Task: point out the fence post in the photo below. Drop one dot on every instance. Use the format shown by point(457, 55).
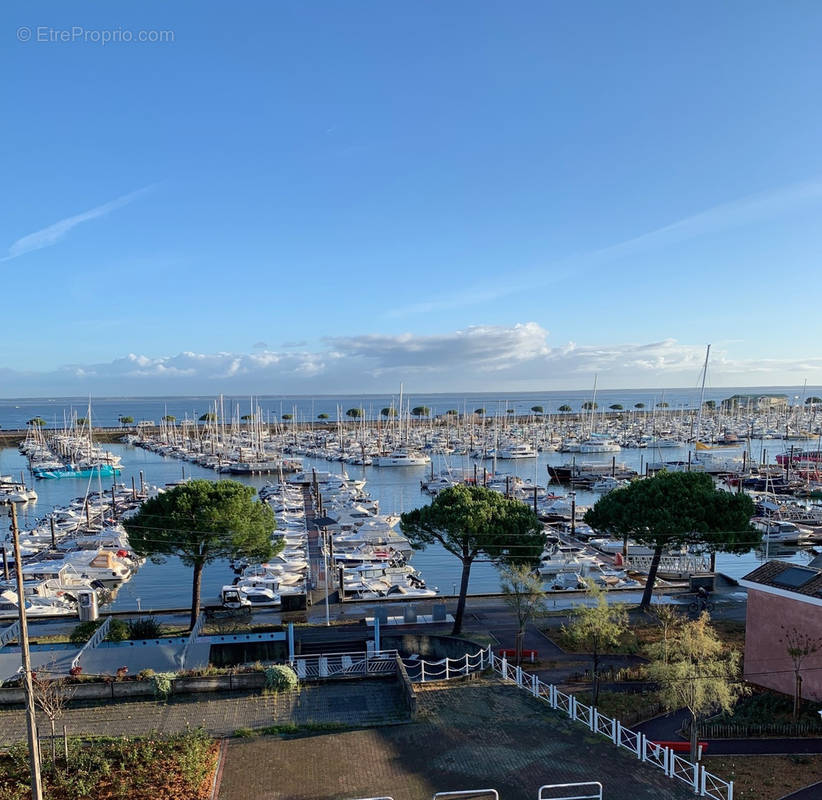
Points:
point(702, 780)
point(422, 670)
point(617, 732)
point(519, 676)
point(594, 719)
point(666, 759)
point(552, 693)
point(641, 749)
point(535, 685)
point(696, 779)
point(447, 673)
point(466, 664)
point(490, 656)
point(504, 667)
point(572, 707)
point(730, 790)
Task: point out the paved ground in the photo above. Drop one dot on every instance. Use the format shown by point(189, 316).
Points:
point(351, 703)
point(808, 793)
point(475, 734)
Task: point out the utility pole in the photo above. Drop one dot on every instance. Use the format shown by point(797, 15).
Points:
point(31, 719)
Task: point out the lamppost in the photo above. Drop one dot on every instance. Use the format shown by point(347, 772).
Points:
point(573, 513)
point(31, 719)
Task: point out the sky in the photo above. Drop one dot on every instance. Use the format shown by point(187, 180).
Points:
point(339, 196)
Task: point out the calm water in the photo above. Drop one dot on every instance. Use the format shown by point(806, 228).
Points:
point(168, 584)
point(106, 410)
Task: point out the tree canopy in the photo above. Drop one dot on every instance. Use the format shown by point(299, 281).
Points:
point(201, 521)
point(354, 413)
point(36, 421)
point(469, 521)
point(524, 593)
point(596, 628)
point(288, 417)
point(322, 416)
point(813, 401)
point(588, 405)
point(209, 416)
point(388, 412)
point(676, 508)
point(694, 671)
point(452, 412)
point(420, 411)
point(662, 404)
point(639, 405)
point(126, 420)
point(169, 418)
point(616, 407)
point(537, 409)
point(479, 411)
point(565, 408)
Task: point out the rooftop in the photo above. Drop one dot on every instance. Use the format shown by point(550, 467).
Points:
point(797, 579)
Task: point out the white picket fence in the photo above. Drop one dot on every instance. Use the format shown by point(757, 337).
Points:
point(695, 776)
point(420, 671)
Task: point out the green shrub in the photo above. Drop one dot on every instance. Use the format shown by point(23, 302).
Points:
point(162, 684)
point(84, 631)
point(117, 631)
point(244, 733)
point(280, 678)
point(145, 628)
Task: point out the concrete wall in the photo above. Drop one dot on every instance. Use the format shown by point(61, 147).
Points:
point(766, 660)
point(427, 646)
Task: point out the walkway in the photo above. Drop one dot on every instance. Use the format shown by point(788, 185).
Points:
point(666, 729)
point(469, 735)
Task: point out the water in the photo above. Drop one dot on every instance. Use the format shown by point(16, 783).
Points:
point(397, 489)
point(14, 413)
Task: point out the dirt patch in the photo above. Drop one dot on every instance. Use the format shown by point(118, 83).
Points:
point(766, 777)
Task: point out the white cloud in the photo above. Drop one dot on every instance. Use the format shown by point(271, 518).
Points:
point(52, 234)
point(480, 358)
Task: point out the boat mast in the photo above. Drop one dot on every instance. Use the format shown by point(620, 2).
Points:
point(702, 395)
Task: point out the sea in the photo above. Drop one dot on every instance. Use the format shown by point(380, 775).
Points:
point(106, 411)
point(167, 584)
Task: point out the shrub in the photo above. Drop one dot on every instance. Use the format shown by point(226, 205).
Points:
point(162, 684)
point(117, 631)
point(145, 628)
point(84, 631)
point(280, 678)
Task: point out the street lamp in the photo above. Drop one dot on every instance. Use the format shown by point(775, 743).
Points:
point(573, 513)
point(31, 719)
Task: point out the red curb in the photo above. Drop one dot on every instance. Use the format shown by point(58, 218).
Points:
point(218, 773)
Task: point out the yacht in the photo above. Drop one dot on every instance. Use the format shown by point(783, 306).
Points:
point(402, 458)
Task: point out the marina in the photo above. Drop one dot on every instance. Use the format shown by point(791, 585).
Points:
point(535, 457)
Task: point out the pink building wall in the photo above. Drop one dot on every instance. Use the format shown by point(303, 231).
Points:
point(766, 660)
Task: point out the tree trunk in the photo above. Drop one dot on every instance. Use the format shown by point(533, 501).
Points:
point(797, 693)
point(53, 747)
point(520, 635)
point(466, 573)
point(649, 586)
point(694, 738)
point(195, 593)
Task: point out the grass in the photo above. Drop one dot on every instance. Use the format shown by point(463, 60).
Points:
point(178, 767)
point(292, 729)
point(766, 777)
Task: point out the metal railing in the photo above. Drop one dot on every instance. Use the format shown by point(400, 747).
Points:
point(95, 640)
point(340, 665)
point(576, 787)
point(10, 633)
point(468, 794)
point(192, 638)
point(701, 782)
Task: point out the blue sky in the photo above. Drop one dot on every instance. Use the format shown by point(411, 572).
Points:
point(335, 196)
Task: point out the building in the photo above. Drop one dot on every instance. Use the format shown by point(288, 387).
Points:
point(783, 596)
point(755, 402)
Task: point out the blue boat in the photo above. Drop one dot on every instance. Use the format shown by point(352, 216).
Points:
point(103, 470)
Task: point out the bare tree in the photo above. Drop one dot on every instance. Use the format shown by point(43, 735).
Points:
point(669, 620)
point(799, 645)
point(51, 696)
point(523, 593)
